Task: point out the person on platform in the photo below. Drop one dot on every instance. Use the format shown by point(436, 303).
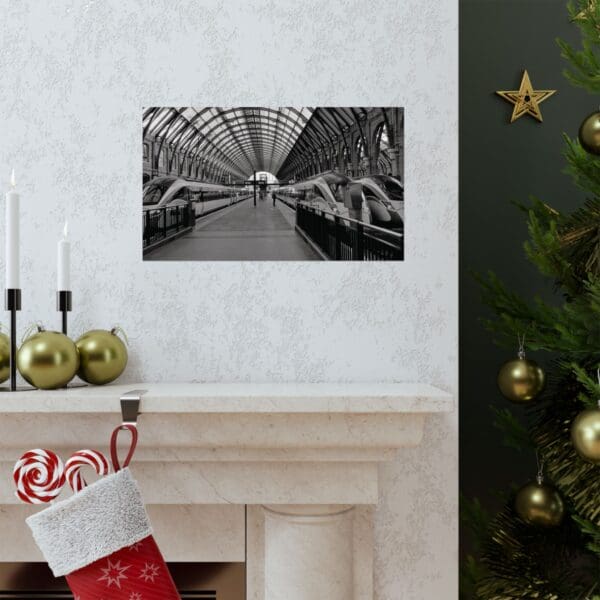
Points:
point(274, 198)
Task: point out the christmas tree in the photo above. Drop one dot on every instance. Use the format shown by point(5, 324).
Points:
point(545, 543)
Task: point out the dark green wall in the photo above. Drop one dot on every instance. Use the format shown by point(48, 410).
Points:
point(500, 162)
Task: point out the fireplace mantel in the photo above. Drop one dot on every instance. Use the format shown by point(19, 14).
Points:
point(237, 398)
point(296, 454)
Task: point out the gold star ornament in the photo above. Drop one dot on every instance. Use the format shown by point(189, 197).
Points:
point(526, 100)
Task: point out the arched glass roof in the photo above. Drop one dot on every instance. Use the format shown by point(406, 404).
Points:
point(244, 139)
point(326, 127)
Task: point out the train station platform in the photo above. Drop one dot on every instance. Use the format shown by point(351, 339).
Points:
point(240, 232)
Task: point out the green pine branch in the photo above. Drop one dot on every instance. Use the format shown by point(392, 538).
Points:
point(530, 563)
point(565, 328)
point(592, 531)
point(514, 433)
point(585, 173)
point(584, 63)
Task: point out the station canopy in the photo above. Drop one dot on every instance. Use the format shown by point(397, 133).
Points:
point(244, 140)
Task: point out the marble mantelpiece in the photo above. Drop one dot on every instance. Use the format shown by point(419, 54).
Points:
point(237, 397)
point(303, 457)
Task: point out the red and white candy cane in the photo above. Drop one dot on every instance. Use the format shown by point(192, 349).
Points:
point(39, 476)
point(84, 458)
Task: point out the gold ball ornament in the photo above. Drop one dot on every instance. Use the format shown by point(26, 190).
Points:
point(4, 357)
point(103, 356)
point(589, 133)
point(585, 434)
point(540, 504)
point(48, 360)
point(521, 380)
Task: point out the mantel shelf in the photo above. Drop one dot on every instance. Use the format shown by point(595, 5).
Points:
point(293, 398)
point(209, 443)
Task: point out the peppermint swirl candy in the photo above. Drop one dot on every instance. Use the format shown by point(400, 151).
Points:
point(39, 476)
point(91, 458)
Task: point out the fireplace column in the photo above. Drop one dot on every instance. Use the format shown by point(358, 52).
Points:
point(309, 552)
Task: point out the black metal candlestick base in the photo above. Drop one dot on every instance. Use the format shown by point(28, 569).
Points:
point(12, 300)
point(64, 304)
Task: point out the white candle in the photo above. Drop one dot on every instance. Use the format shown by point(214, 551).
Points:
point(63, 280)
point(12, 236)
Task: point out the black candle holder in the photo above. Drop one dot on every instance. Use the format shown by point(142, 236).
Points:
point(64, 305)
point(12, 300)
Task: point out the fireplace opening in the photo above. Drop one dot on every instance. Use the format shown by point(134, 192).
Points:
point(208, 581)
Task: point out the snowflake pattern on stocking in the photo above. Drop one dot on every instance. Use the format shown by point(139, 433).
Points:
point(149, 572)
point(127, 574)
point(136, 546)
point(113, 573)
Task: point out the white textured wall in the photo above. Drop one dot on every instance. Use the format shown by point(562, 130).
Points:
point(75, 76)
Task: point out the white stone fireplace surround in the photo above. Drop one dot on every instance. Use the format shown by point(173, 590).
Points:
point(303, 458)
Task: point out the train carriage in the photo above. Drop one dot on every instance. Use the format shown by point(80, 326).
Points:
point(382, 197)
point(171, 204)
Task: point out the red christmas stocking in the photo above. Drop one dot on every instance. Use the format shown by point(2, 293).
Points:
point(101, 539)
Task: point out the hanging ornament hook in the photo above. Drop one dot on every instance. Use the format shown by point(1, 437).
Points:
point(521, 342)
point(540, 465)
point(117, 329)
point(36, 327)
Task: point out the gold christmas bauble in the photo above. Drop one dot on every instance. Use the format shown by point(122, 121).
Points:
point(103, 356)
point(589, 133)
point(521, 380)
point(4, 357)
point(585, 434)
point(540, 504)
point(48, 359)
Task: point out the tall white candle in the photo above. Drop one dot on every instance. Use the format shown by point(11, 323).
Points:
point(63, 280)
point(12, 236)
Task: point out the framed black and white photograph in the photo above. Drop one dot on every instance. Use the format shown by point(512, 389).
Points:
point(285, 184)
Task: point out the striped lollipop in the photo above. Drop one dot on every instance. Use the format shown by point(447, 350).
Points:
point(83, 458)
point(39, 476)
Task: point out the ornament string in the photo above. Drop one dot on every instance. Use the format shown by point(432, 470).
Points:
point(521, 342)
point(540, 465)
point(30, 330)
point(117, 329)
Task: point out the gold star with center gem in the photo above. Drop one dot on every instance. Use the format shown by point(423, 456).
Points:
point(526, 100)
